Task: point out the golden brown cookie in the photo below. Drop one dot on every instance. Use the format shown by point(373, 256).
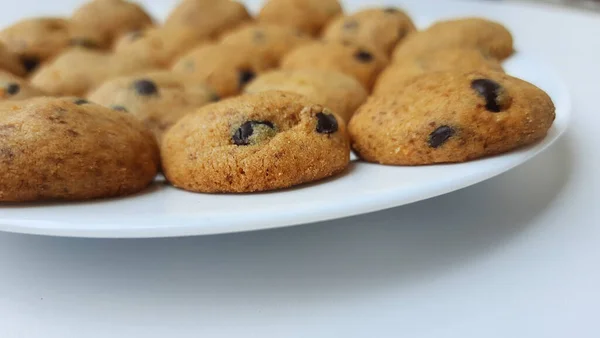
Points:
point(209, 18)
point(158, 99)
point(364, 64)
point(255, 142)
point(111, 18)
point(272, 42)
point(404, 69)
point(309, 16)
point(378, 28)
point(490, 37)
point(15, 88)
point(226, 68)
point(451, 117)
point(157, 47)
point(58, 149)
point(10, 62)
point(337, 91)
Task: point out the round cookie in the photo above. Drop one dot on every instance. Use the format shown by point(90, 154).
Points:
point(403, 70)
point(270, 41)
point(309, 16)
point(209, 18)
point(226, 68)
point(36, 40)
point(10, 62)
point(157, 47)
point(490, 37)
point(363, 64)
point(15, 88)
point(337, 91)
point(445, 117)
point(255, 142)
point(380, 28)
point(60, 149)
point(111, 18)
point(158, 99)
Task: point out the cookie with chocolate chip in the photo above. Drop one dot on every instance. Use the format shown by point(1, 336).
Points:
point(208, 18)
point(309, 16)
point(60, 149)
point(15, 88)
point(363, 64)
point(158, 99)
point(255, 142)
point(272, 42)
point(404, 69)
point(491, 38)
point(226, 68)
point(379, 28)
point(445, 117)
point(337, 91)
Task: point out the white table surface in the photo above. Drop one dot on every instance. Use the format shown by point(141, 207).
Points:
point(517, 256)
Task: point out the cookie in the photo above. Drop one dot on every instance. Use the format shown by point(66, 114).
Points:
point(158, 99)
point(10, 62)
point(445, 117)
point(15, 88)
point(378, 28)
point(337, 91)
point(157, 47)
point(209, 18)
point(226, 68)
point(363, 64)
point(36, 40)
point(255, 142)
point(111, 18)
point(309, 16)
point(491, 38)
point(272, 42)
point(403, 70)
point(60, 149)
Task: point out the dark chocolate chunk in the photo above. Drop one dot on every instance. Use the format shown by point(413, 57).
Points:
point(326, 124)
point(440, 136)
point(242, 135)
point(145, 87)
point(490, 91)
point(245, 76)
point(13, 89)
point(363, 56)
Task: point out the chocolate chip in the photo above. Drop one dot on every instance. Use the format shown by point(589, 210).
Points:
point(13, 89)
point(84, 42)
point(242, 135)
point(30, 63)
point(120, 108)
point(245, 76)
point(80, 102)
point(490, 91)
point(363, 56)
point(391, 10)
point(326, 124)
point(440, 136)
point(350, 24)
point(145, 87)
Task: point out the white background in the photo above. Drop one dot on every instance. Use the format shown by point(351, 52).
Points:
point(517, 256)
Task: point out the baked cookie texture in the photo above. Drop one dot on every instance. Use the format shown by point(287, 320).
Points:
point(491, 38)
point(363, 64)
point(64, 149)
point(309, 16)
point(13, 87)
point(255, 142)
point(272, 42)
point(225, 68)
point(378, 28)
point(337, 91)
point(404, 69)
point(209, 18)
point(111, 18)
point(453, 116)
point(158, 99)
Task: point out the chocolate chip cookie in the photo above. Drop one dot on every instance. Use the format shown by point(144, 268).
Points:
point(453, 116)
point(60, 149)
point(158, 99)
point(272, 42)
point(13, 87)
point(226, 68)
point(255, 142)
point(490, 37)
point(309, 16)
point(404, 69)
point(337, 91)
point(378, 28)
point(364, 64)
